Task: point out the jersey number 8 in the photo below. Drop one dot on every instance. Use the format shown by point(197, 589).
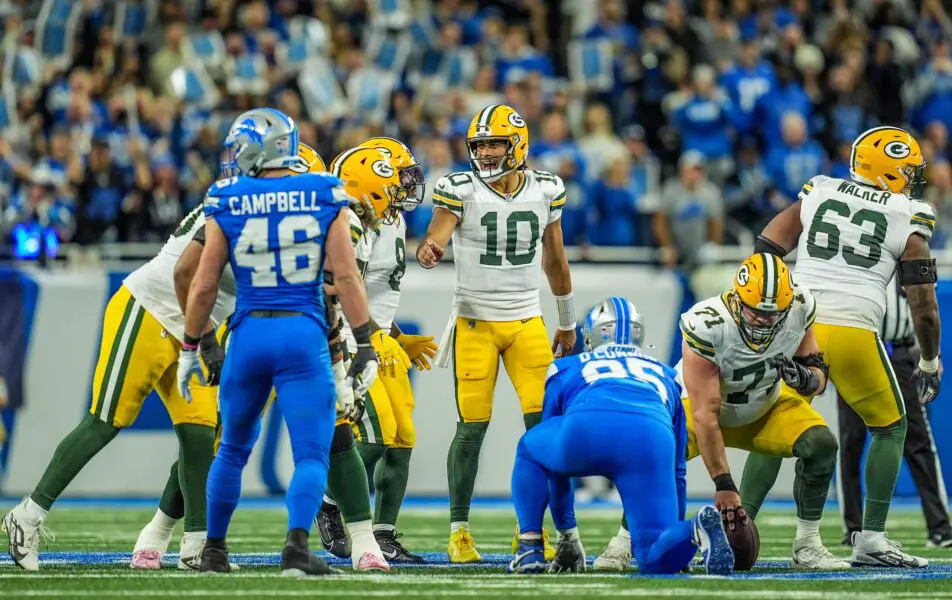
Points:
point(299, 261)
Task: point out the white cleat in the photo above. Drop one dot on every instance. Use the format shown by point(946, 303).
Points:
point(812, 555)
point(371, 562)
point(882, 552)
point(24, 536)
point(150, 548)
point(616, 556)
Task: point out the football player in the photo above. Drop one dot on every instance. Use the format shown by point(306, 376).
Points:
point(750, 364)
point(592, 401)
point(385, 431)
point(505, 223)
point(154, 539)
point(851, 236)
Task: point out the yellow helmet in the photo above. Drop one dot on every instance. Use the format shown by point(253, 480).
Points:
point(761, 299)
point(890, 159)
point(315, 164)
point(498, 122)
point(412, 182)
point(368, 177)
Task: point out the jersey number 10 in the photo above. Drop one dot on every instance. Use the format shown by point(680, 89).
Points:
point(299, 260)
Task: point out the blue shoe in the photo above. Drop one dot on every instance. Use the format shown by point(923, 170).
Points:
point(529, 558)
point(716, 553)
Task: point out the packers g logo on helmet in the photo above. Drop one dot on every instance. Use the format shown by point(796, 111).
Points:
point(368, 178)
point(382, 168)
point(502, 123)
point(313, 163)
point(897, 150)
point(761, 299)
point(890, 159)
point(409, 171)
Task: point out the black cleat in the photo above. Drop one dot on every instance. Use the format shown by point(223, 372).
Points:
point(297, 559)
point(393, 550)
point(331, 528)
point(941, 538)
point(215, 557)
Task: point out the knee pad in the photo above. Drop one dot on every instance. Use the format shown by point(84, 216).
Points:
point(817, 446)
point(343, 439)
point(896, 431)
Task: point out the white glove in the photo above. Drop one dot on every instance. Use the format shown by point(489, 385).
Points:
point(363, 370)
point(346, 406)
point(188, 365)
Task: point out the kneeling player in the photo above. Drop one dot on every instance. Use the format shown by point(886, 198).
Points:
point(613, 392)
point(739, 349)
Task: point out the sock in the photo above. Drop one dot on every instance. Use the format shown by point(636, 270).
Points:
point(172, 502)
point(623, 532)
point(536, 536)
point(384, 527)
point(347, 482)
point(391, 484)
point(193, 539)
point(457, 525)
point(531, 419)
point(807, 529)
point(462, 464)
point(72, 454)
point(163, 523)
point(34, 511)
point(760, 474)
point(370, 454)
point(196, 452)
point(362, 539)
point(224, 488)
point(882, 471)
point(816, 451)
point(305, 492)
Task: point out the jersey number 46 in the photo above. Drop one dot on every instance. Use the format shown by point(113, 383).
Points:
point(297, 262)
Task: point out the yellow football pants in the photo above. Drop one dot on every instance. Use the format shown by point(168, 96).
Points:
point(137, 355)
point(861, 372)
point(773, 434)
point(388, 418)
point(477, 345)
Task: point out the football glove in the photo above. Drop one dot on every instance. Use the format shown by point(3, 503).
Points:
point(347, 406)
point(800, 378)
point(213, 355)
point(363, 370)
point(420, 348)
point(393, 359)
point(927, 384)
point(188, 365)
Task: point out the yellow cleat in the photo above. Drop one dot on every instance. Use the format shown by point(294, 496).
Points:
point(549, 549)
point(462, 548)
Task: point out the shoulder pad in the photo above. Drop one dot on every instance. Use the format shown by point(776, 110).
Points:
point(214, 204)
point(356, 227)
point(806, 304)
point(452, 189)
point(806, 189)
point(222, 187)
point(701, 328)
point(552, 187)
point(922, 218)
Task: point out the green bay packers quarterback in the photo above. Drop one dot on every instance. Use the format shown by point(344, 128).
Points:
point(385, 431)
point(505, 223)
point(750, 362)
point(851, 237)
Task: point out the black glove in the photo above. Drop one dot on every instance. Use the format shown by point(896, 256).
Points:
point(797, 376)
point(927, 384)
point(213, 355)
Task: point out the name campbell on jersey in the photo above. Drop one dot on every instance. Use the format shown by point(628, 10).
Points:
point(853, 236)
point(749, 387)
point(497, 246)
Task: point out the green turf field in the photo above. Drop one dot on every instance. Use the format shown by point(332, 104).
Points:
point(89, 559)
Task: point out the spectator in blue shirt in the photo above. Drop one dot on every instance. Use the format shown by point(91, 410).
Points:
point(614, 214)
point(746, 81)
point(704, 122)
point(558, 154)
point(786, 96)
point(518, 56)
point(793, 162)
point(840, 167)
point(746, 190)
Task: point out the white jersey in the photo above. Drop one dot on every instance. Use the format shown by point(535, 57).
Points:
point(748, 387)
point(853, 236)
point(388, 262)
point(153, 284)
point(363, 240)
point(497, 245)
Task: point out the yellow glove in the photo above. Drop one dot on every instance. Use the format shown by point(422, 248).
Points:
point(418, 348)
point(393, 359)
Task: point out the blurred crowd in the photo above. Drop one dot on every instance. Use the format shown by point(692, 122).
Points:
point(677, 124)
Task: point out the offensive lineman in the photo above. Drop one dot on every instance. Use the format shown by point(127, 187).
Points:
point(505, 222)
point(851, 236)
point(750, 360)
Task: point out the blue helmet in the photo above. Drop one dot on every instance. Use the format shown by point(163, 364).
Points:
point(613, 321)
point(259, 139)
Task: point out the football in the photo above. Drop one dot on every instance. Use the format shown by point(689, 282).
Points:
point(745, 541)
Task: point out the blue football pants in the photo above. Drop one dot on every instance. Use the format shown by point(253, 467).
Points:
point(290, 354)
point(636, 451)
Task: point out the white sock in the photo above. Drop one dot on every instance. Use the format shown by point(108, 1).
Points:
point(457, 525)
point(623, 533)
point(34, 511)
point(329, 500)
point(530, 536)
point(194, 538)
point(569, 534)
point(385, 527)
point(362, 539)
point(163, 523)
point(807, 529)
point(873, 537)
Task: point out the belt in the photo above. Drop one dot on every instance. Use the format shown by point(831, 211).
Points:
point(909, 340)
point(267, 314)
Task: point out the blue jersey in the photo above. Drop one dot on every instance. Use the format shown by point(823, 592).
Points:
point(276, 230)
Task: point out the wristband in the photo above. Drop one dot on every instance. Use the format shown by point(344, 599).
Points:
point(725, 483)
point(566, 304)
point(929, 366)
point(189, 342)
point(362, 334)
